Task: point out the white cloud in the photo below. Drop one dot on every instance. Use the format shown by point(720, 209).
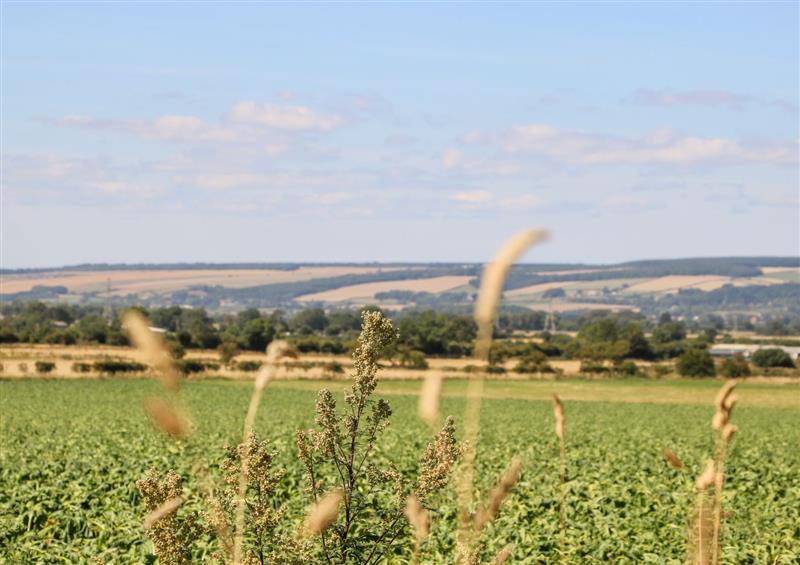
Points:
point(708, 98)
point(660, 146)
point(283, 117)
point(472, 197)
point(451, 158)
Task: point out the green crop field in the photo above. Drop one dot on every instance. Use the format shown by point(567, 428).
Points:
point(71, 452)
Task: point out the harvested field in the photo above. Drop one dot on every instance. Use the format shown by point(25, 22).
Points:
point(534, 289)
point(674, 283)
point(773, 270)
point(155, 281)
point(369, 290)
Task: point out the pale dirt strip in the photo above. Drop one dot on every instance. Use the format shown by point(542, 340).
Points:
point(125, 282)
point(369, 290)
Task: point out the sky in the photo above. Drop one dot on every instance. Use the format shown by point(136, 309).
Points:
point(184, 132)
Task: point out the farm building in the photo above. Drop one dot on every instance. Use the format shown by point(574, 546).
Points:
point(731, 349)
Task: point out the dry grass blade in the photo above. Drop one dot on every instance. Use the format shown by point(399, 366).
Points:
point(168, 507)
point(420, 522)
point(673, 459)
point(494, 275)
point(700, 551)
point(153, 348)
point(485, 309)
point(275, 351)
point(167, 418)
point(324, 513)
point(429, 395)
point(558, 412)
point(706, 479)
point(498, 494)
point(503, 554)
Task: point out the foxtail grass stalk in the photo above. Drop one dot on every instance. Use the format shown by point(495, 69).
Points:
point(275, 351)
point(558, 412)
point(491, 289)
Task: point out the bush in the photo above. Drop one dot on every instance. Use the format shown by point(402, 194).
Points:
point(81, 367)
point(626, 368)
point(23, 367)
point(191, 366)
point(660, 371)
point(45, 366)
point(735, 366)
point(413, 359)
point(495, 370)
point(595, 368)
point(772, 357)
point(534, 362)
point(112, 367)
point(333, 368)
point(696, 363)
point(227, 351)
point(248, 366)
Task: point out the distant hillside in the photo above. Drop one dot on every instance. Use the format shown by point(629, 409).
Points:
point(752, 284)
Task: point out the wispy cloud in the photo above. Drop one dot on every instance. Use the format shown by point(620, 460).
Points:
point(473, 196)
point(708, 98)
point(245, 122)
point(656, 147)
point(283, 117)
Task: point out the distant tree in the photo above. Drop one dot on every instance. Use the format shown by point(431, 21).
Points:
point(257, 334)
point(343, 321)
point(92, 329)
point(735, 366)
point(227, 351)
point(772, 357)
point(696, 362)
point(308, 321)
point(669, 331)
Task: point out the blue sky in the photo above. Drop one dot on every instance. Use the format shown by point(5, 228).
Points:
point(397, 132)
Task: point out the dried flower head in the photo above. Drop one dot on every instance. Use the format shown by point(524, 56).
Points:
point(172, 536)
point(438, 460)
point(166, 508)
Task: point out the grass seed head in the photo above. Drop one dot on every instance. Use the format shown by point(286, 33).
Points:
point(558, 412)
point(673, 459)
point(492, 284)
point(418, 518)
point(428, 407)
point(168, 507)
point(166, 418)
point(498, 494)
point(728, 431)
point(706, 479)
point(153, 348)
point(324, 513)
point(503, 554)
